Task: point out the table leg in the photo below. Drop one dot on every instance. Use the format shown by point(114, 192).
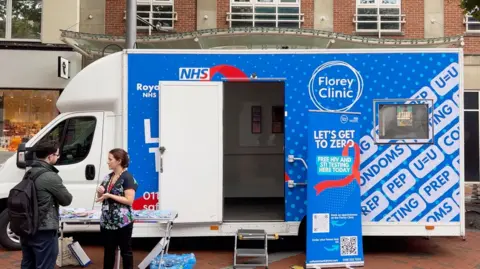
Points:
point(61, 244)
point(153, 254)
point(118, 258)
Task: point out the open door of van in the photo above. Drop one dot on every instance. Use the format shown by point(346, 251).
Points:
point(191, 146)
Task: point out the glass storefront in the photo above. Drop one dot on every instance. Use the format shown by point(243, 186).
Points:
point(23, 113)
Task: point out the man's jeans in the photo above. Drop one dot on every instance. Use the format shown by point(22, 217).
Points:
point(40, 251)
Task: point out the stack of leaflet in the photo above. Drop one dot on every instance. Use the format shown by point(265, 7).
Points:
point(78, 213)
point(153, 214)
point(174, 261)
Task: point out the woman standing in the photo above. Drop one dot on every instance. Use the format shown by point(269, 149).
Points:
point(116, 193)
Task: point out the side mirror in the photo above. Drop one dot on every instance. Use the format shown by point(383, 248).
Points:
point(24, 156)
point(21, 151)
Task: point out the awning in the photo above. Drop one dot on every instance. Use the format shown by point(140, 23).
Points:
point(97, 45)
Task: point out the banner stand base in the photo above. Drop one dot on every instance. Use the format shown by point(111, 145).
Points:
point(334, 265)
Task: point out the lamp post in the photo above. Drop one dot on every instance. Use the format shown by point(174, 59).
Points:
point(131, 16)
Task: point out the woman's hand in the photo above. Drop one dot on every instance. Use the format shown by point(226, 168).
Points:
point(100, 190)
point(103, 197)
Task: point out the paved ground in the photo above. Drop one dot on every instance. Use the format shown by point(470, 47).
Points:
point(380, 253)
point(5, 155)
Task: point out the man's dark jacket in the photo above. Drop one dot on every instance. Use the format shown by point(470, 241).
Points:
point(50, 194)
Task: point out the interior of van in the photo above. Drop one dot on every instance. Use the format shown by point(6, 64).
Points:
point(253, 174)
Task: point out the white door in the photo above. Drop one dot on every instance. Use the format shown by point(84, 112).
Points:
point(191, 132)
point(80, 136)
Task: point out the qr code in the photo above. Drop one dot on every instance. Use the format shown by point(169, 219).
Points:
point(348, 246)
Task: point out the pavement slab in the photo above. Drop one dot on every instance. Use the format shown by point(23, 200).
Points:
point(380, 253)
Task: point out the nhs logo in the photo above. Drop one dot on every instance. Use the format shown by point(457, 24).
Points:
point(194, 73)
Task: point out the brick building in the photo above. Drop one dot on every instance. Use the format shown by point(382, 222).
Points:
point(402, 19)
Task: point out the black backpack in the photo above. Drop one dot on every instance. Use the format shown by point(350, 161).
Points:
point(22, 205)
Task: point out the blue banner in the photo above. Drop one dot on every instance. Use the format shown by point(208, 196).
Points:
point(334, 223)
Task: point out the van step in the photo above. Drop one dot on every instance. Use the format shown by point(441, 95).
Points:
point(245, 234)
point(251, 234)
point(250, 252)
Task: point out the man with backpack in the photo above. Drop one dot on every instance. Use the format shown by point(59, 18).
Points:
point(34, 208)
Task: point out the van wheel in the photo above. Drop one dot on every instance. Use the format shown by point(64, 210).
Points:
point(8, 239)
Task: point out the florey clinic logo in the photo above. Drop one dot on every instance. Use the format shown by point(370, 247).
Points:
point(335, 86)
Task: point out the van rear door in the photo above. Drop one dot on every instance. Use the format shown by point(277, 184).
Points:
point(191, 138)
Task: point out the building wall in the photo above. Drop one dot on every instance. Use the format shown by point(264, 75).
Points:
point(92, 16)
point(59, 15)
point(33, 69)
point(454, 26)
point(414, 11)
point(424, 18)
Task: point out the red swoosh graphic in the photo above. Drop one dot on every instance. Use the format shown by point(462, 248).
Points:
point(321, 186)
point(227, 71)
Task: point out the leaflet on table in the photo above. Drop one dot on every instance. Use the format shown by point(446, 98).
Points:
point(75, 213)
point(334, 228)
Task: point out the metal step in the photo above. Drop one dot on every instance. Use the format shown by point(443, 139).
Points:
point(251, 252)
point(251, 234)
point(249, 265)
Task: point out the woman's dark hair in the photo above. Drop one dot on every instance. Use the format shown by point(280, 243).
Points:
point(120, 155)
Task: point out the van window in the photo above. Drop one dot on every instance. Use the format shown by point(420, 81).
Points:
point(55, 134)
point(403, 121)
point(77, 140)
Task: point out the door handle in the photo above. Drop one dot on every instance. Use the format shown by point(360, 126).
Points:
point(90, 172)
point(162, 150)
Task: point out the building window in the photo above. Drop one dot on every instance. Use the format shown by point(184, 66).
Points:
point(472, 134)
point(379, 16)
point(472, 24)
point(23, 113)
point(155, 14)
point(20, 19)
point(265, 13)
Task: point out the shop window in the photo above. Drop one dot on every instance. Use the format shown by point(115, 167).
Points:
point(23, 113)
point(378, 16)
point(21, 19)
point(265, 13)
point(155, 14)
point(471, 130)
point(404, 122)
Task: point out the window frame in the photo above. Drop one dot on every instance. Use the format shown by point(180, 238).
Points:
point(151, 4)
point(470, 23)
point(8, 25)
point(63, 136)
point(258, 3)
point(378, 5)
point(376, 115)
